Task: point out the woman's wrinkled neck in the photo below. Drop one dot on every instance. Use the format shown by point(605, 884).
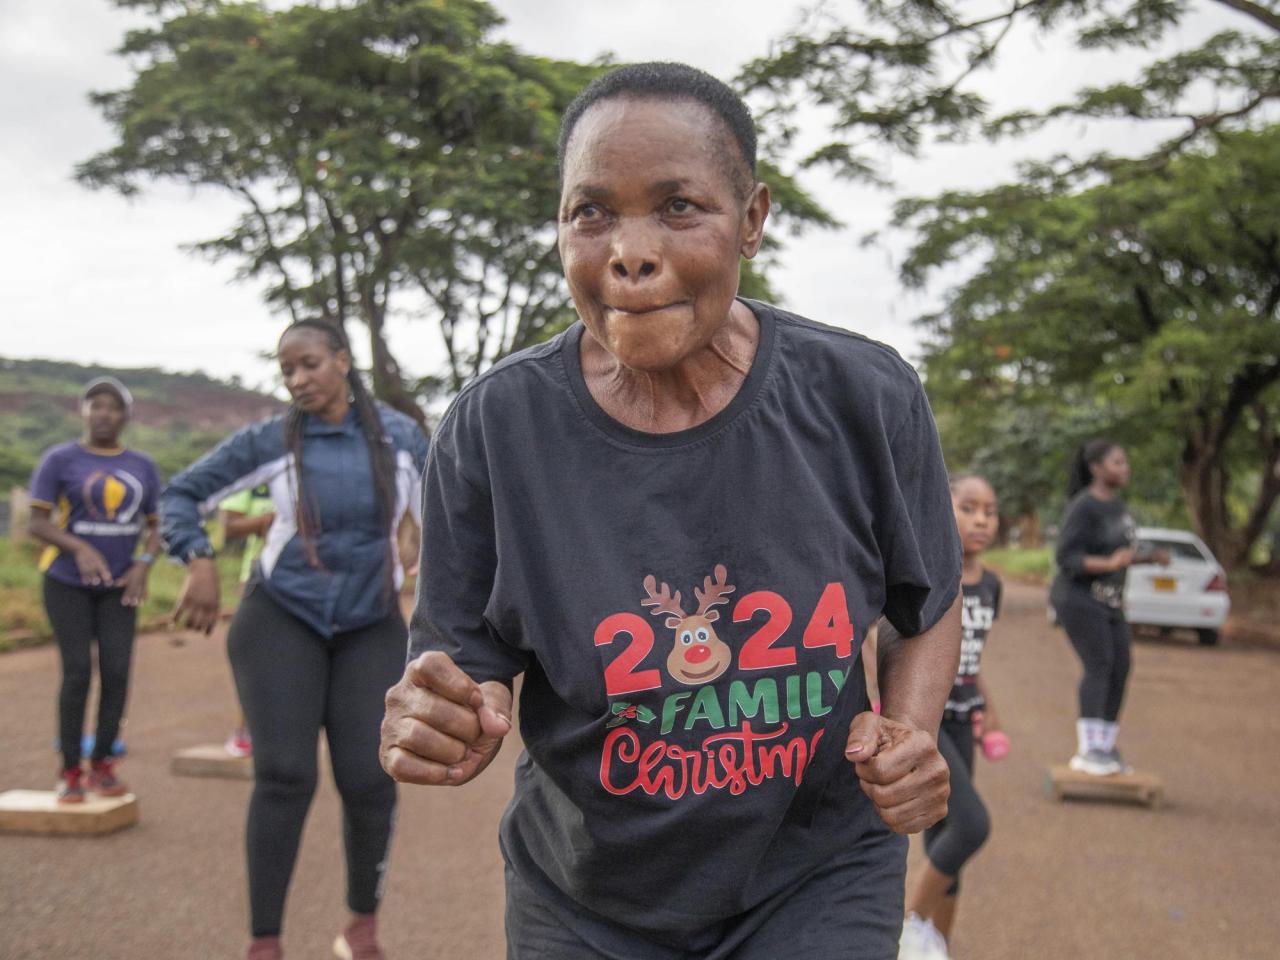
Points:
point(679, 397)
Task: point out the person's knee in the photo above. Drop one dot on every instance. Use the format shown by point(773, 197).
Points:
point(977, 828)
point(1096, 658)
point(114, 676)
point(1105, 657)
point(283, 780)
point(76, 678)
point(1119, 678)
point(974, 828)
point(366, 789)
point(1099, 676)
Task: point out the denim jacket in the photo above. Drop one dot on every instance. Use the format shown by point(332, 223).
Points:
point(347, 590)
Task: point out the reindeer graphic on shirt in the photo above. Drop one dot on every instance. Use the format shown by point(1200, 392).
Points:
point(697, 654)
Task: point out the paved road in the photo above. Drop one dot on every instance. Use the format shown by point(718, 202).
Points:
point(1195, 880)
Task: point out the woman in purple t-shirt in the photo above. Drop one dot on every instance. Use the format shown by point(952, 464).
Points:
point(104, 496)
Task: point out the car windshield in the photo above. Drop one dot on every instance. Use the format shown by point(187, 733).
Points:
point(1178, 549)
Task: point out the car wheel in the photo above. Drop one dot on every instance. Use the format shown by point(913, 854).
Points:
point(1208, 637)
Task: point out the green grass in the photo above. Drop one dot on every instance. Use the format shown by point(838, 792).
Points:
point(1022, 563)
point(22, 606)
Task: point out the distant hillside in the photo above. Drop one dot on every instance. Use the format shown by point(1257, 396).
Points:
point(176, 416)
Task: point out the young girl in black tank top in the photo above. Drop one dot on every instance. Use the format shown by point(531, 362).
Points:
point(969, 716)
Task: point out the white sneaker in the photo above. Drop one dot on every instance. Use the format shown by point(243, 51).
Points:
point(239, 744)
point(921, 940)
point(1114, 754)
point(1098, 763)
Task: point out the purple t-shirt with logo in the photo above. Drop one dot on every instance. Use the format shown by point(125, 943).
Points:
point(102, 498)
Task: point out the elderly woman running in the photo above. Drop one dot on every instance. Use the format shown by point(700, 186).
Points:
point(677, 521)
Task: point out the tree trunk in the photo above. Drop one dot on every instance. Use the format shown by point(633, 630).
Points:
point(1030, 529)
point(388, 382)
point(1204, 482)
point(1263, 504)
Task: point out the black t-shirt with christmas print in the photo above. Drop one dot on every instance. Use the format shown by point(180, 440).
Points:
point(981, 607)
point(687, 610)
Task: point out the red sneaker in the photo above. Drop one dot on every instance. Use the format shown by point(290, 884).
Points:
point(265, 948)
point(359, 941)
point(70, 786)
point(103, 780)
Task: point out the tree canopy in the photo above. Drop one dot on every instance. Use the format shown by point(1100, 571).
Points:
point(376, 148)
point(1151, 301)
point(389, 157)
point(907, 74)
point(1130, 295)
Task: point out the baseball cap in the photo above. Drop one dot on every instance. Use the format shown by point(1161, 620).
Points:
point(109, 385)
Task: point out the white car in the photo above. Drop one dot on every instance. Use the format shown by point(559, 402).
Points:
point(1190, 592)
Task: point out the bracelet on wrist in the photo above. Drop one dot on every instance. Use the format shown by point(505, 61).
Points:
point(147, 558)
point(204, 552)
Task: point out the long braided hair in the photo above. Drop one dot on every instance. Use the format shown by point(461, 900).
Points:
point(1087, 454)
point(381, 453)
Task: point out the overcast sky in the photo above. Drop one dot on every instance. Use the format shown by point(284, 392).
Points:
point(88, 276)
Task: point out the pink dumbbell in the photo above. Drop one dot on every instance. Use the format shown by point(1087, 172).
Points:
point(995, 745)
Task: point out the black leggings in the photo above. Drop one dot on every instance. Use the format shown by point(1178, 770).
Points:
point(1100, 636)
point(293, 682)
point(951, 841)
point(80, 615)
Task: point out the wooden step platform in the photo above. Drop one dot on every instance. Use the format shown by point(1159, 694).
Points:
point(211, 760)
point(1063, 783)
point(38, 811)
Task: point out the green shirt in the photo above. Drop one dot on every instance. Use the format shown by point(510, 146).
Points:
point(252, 503)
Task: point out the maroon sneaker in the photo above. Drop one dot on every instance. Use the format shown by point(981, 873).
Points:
point(103, 780)
point(359, 941)
point(265, 948)
point(71, 786)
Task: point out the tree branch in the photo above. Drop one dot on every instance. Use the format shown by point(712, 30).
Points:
point(1245, 388)
point(1269, 487)
point(523, 322)
point(1209, 121)
point(444, 303)
point(273, 251)
point(1257, 12)
point(1006, 17)
point(339, 269)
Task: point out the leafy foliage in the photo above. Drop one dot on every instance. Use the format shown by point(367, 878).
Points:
point(377, 148)
point(389, 157)
point(905, 75)
point(1134, 296)
point(1149, 306)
